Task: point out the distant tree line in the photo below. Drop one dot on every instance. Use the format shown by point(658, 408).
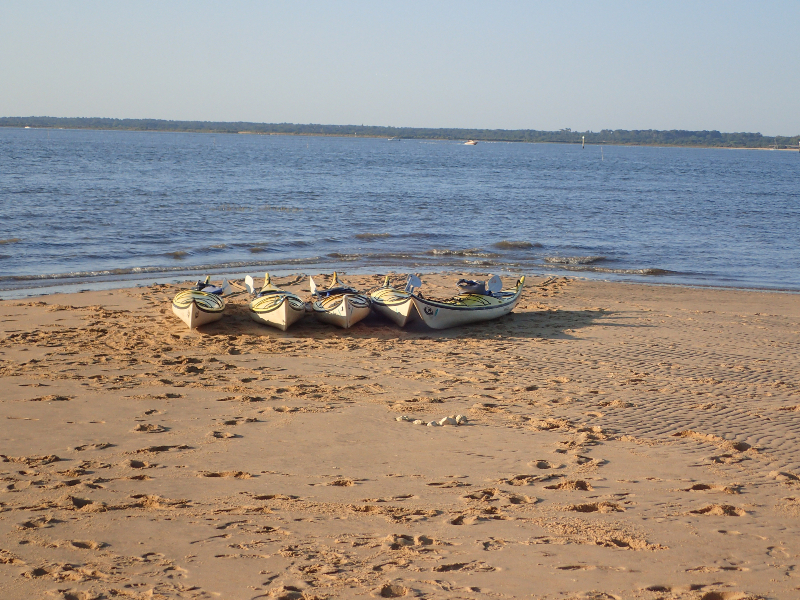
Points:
point(647, 137)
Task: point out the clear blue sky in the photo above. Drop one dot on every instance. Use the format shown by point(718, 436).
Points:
point(731, 66)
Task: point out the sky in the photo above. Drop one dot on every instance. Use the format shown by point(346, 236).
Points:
point(729, 66)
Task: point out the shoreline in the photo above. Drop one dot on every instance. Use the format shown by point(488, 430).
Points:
point(621, 441)
point(185, 277)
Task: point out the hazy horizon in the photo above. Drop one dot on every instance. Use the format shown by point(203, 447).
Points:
point(586, 66)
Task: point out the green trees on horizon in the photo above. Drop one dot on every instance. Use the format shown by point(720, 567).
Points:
point(649, 137)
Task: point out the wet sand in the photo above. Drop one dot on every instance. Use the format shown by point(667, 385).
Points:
point(623, 441)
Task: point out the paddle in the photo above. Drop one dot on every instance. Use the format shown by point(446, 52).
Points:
point(312, 286)
point(250, 284)
point(495, 284)
point(413, 283)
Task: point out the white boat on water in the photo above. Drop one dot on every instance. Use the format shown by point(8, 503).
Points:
point(394, 304)
point(340, 305)
point(470, 143)
point(201, 305)
point(274, 306)
point(470, 306)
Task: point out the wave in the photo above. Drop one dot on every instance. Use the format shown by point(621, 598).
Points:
point(258, 248)
point(157, 270)
point(512, 245)
point(342, 256)
point(637, 271)
point(478, 252)
point(178, 254)
point(372, 236)
point(573, 260)
point(10, 241)
point(647, 271)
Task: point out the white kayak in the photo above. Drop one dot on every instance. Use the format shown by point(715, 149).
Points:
point(468, 308)
point(196, 307)
point(274, 306)
point(340, 304)
point(394, 304)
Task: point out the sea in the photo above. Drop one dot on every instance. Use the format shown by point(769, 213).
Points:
point(103, 209)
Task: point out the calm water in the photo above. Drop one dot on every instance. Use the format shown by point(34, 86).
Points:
point(90, 208)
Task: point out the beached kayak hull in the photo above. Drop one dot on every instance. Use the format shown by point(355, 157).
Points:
point(280, 310)
point(394, 304)
point(197, 308)
point(342, 310)
point(467, 308)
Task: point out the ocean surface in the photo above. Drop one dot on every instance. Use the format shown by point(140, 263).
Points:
point(94, 209)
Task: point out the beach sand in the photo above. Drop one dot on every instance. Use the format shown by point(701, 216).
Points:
point(623, 441)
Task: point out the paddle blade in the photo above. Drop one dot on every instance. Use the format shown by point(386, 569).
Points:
point(495, 284)
point(267, 279)
point(413, 283)
point(312, 286)
point(226, 287)
point(250, 285)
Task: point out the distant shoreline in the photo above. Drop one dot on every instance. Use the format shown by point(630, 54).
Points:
point(650, 138)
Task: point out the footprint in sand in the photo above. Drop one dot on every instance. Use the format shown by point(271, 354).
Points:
point(85, 544)
point(493, 544)
point(158, 449)
point(720, 510)
point(9, 558)
point(239, 420)
point(450, 484)
point(578, 485)
point(476, 566)
point(727, 459)
point(223, 435)
point(45, 521)
point(52, 398)
point(785, 476)
point(101, 446)
point(704, 487)
point(342, 482)
point(234, 474)
point(391, 591)
point(602, 507)
point(31, 461)
point(398, 541)
point(496, 495)
point(149, 428)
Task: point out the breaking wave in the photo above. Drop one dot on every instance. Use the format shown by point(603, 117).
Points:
point(512, 245)
point(157, 270)
point(372, 236)
point(573, 260)
point(478, 252)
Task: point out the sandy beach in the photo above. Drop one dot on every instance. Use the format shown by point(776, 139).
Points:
point(623, 441)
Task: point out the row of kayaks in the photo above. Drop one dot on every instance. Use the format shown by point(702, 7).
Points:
point(343, 305)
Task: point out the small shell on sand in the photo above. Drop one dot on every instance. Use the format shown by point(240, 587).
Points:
point(448, 421)
point(403, 418)
point(419, 422)
point(433, 424)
